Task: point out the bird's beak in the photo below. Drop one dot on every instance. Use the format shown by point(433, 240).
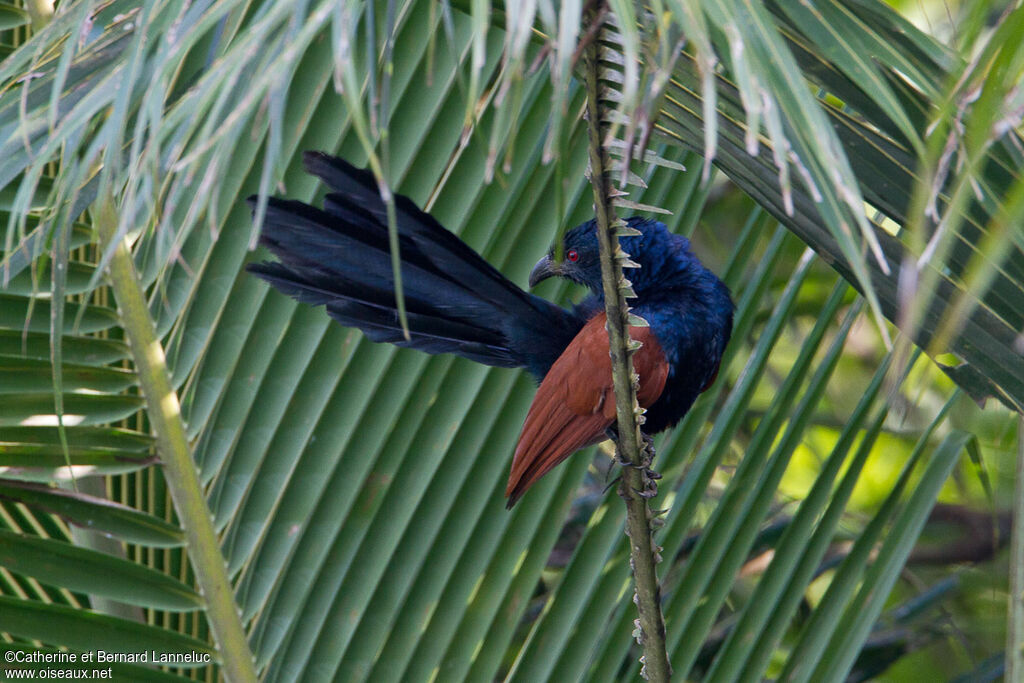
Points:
point(544, 269)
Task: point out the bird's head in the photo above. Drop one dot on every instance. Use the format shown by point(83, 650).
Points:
point(580, 262)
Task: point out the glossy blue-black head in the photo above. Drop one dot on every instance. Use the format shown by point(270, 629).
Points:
point(662, 256)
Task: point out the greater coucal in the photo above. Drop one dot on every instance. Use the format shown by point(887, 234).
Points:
point(458, 303)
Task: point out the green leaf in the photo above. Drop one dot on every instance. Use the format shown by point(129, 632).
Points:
point(49, 463)
point(95, 514)
point(14, 315)
point(77, 350)
point(79, 280)
point(885, 570)
point(37, 409)
point(94, 573)
point(357, 488)
point(23, 376)
point(88, 631)
point(12, 17)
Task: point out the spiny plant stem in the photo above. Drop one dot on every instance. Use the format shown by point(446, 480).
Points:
point(179, 469)
point(643, 551)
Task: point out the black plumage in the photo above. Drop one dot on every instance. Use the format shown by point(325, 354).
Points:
point(340, 257)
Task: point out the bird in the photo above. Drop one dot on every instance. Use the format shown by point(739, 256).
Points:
point(339, 257)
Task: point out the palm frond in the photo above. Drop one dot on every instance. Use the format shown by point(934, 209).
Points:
point(355, 489)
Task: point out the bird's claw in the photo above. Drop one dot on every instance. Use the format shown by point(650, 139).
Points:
point(650, 479)
point(648, 476)
point(626, 463)
point(647, 492)
point(647, 450)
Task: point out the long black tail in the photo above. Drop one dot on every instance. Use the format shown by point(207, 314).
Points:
point(456, 302)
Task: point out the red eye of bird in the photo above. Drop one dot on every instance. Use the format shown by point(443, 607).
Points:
point(572, 255)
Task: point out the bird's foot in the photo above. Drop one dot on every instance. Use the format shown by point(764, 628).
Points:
point(649, 478)
point(648, 492)
point(647, 450)
point(627, 463)
point(648, 475)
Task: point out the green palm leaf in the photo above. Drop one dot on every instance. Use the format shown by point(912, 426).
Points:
point(355, 489)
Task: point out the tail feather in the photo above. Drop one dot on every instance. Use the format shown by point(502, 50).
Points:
point(355, 192)
point(456, 302)
point(426, 334)
point(380, 322)
point(336, 260)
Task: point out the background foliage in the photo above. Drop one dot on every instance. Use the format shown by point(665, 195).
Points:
point(355, 489)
